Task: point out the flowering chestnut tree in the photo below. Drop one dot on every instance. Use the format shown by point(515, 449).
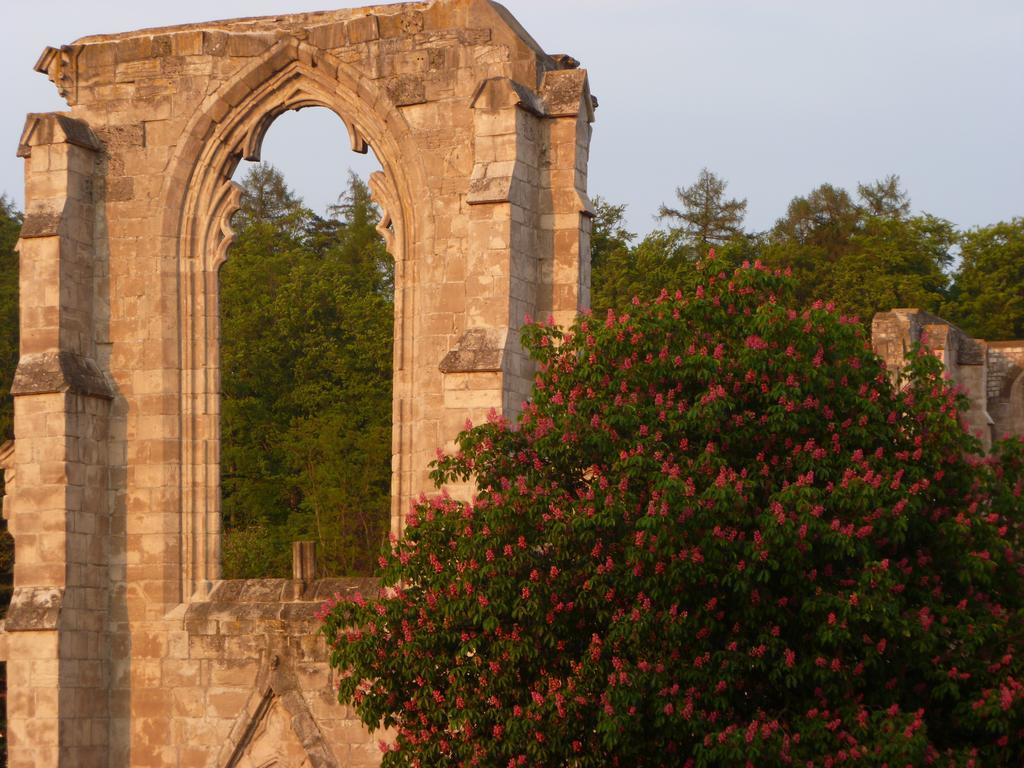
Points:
point(718, 535)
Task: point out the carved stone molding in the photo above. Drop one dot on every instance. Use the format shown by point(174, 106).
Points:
point(34, 609)
point(478, 350)
point(276, 718)
point(60, 66)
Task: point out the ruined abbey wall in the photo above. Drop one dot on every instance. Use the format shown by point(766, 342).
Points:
point(123, 645)
point(991, 373)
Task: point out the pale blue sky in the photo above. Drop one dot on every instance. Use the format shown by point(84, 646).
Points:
point(775, 96)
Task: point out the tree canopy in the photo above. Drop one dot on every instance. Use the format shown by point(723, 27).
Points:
point(718, 535)
point(307, 313)
point(988, 295)
point(866, 251)
point(306, 340)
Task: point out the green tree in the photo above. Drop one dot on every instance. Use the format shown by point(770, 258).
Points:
point(10, 228)
point(706, 218)
point(662, 258)
point(895, 262)
point(622, 270)
point(267, 199)
point(813, 237)
point(257, 360)
point(717, 536)
point(306, 319)
point(868, 254)
point(608, 235)
point(988, 292)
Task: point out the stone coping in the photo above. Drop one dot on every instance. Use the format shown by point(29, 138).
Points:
point(271, 23)
point(239, 605)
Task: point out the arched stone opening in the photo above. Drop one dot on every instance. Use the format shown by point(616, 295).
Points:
point(299, 78)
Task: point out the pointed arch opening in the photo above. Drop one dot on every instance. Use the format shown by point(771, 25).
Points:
point(305, 343)
point(232, 128)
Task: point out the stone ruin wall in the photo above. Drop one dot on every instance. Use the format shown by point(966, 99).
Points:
point(1005, 386)
point(989, 372)
point(123, 646)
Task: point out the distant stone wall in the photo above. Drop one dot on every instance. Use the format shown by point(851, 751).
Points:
point(989, 372)
point(1005, 388)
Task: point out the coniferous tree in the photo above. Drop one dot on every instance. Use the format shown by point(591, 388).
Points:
point(706, 218)
point(623, 270)
point(884, 197)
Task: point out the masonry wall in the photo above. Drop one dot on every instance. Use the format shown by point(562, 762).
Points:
point(1005, 386)
point(990, 373)
point(124, 647)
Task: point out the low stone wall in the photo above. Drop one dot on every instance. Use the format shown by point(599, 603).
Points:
point(246, 678)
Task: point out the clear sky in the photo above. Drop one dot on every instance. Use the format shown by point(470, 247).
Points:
point(776, 96)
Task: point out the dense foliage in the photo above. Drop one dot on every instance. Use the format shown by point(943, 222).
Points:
point(718, 535)
point(867, 252)
point(307, 315)
point(306, 338)
point(989, 291)
point(10, 226)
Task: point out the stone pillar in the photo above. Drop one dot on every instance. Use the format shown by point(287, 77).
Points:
point(529, 234)
point(570, 110)
point(57, 645)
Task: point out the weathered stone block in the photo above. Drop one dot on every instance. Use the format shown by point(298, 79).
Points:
point(33, 609)
point(362, 29)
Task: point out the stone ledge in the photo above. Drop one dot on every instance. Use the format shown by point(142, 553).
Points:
point(283, 590)
point(280, 603)
point(479, 349)
point(55, 128)
point(45, 224)
point(33, 609)
point(48, 372)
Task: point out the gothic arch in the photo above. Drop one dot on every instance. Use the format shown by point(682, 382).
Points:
point(199, 201)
